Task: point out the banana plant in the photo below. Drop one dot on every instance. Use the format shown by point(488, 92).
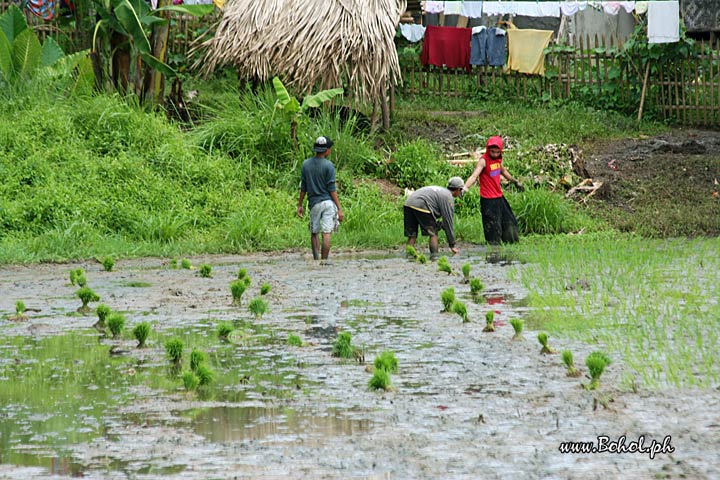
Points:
point(23, 58)
point(295, 110)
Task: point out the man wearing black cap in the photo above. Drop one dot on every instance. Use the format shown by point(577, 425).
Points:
point(424, 206)
point(318, 182)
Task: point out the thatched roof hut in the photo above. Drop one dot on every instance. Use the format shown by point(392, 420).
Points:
point(310, 44)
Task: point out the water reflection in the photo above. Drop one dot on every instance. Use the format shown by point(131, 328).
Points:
point(223, 424)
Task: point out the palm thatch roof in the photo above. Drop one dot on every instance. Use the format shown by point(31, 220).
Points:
point(310, 44)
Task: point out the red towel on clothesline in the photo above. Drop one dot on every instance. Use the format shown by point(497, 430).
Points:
point(446, 47)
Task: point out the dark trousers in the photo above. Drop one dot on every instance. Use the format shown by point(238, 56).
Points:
point(499, 222)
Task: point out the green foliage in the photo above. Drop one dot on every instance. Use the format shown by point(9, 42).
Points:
point(265, 289)
point(102, 311)
point(459, 308)
point(476, 286)
point(86, 295)
point(444, 265)
point(422, 259)
point(185, 264)
point(174, 263)
point(416, 164)
point(517, 325)
point(448, 298)
point(174, 350)
point(190, 381)
point(543, 339)
point(141, 332)
point(569, 362)
point(466, 271)
point(386, 361)
point(380, 380)
point(116, 323)
point(410, 251)
point(19, 308)
point(205, 374)
point(75, 273)
point(237, 288)
point(197, 358)
point(242, 273)
point(294, 340)
point(81, 279)
point(108, 263)
point(596, 363)
point(224, 330)
point(342, 347)
point(205, 271)
point(489, 321)
point(258, 306)
point(543, 212)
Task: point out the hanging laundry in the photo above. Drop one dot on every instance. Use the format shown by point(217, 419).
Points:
point(44, 9)
point(498, 8)
point(537, 9)
point(434, 7)
point(628, 6)
point(549, 9)
point(641, 7)
point(663, 22)
point(611, 8)
point(472, 9)
point(446, 47)
point(569, 8)
point(496, 47)
point(453, 8)
point(526, 50)
point(412, 32)
point(478, 46)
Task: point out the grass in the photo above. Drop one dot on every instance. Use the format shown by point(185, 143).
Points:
point(224, 330)
point(237, 289)
point(197, 358)
point(294, 340)
point(651, 303)
point(543, 340)
point(174, 350)
point(265, 289)
point(476, 286)
point(569, 362)
point(205, 271)
point(108, 264)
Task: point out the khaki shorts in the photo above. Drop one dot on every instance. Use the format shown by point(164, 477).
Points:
point(323, 217)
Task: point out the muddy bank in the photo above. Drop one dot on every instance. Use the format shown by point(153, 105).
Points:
point(466, 404)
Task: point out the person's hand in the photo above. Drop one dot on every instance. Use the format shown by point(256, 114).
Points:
point(300, 211)
point(465, 190)
point(455, 250)
point(341, 215)
point(519, 185)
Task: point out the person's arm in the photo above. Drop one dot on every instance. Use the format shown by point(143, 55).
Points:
point(504, 172)
point(300, 209)
point(476, 173)
point(336, 200)
point(447, 212)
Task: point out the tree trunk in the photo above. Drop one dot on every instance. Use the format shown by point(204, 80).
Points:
point(385, 110)
point(155, 80)
point(120, 46)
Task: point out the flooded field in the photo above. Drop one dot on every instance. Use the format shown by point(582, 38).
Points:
point(75, 402)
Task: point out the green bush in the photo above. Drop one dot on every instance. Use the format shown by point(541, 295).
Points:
point(417, 164)
point(543, 212)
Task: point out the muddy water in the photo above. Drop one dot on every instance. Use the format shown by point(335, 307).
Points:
point(465, 404)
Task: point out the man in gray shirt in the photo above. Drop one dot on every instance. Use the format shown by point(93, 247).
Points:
point(425, 206)
point(318, 182)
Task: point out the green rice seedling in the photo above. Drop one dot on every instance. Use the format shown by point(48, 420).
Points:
point(258, 306)
point(444, 265)
point(86, 295)
point(410, 251)
point(174, 350)
point(237, 288)
point(265, 289)
point(81, 279)
point(386, 361)
point(141, 333)
point(476, 286)
point(185, 263)
point(191, 381)
point(294, 340)
point(205, 374)
point(460, 308)
point(108, 263)
point(543, 339)
point(380, 380)
point(116, 323)
point(174, 263)
point(596, 363)
point(489, 319)
point(343, 346)
point(422, 259)
point(466, 272)
point(197, 358)
point(448, 298)
point(567, 359)
point(242, 273)
point(517, 325)
point(74, 273)
point(224, 330)
point(20, 310)
point(247, 281)
point(205, 271)
point(102, 311)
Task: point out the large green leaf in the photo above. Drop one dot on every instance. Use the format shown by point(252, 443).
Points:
point(26, 53)
point(50, 53)
point(161, 67)
point(12, 23)
point(6, 61)
point(84, 76)
point(195, 10)
point(284, 100)
point(130, 20)
point(313, 101)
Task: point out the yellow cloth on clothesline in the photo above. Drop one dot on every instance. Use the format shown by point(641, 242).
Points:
point(219, 3)
point(526, 50)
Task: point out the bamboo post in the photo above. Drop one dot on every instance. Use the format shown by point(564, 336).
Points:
point(697, 85)
point(684, 101)
point(644, 89)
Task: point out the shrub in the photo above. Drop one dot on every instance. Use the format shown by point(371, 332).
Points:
point(386, 361)
point(205, 271)
point(448, 298)
point(174, 350)
point(116, 323)
point(413, 164)
point(141, 333)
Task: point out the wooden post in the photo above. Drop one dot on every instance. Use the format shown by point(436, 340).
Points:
point(385, 108)
point(644, 88)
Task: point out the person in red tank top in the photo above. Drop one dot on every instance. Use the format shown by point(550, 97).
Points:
point(499, 223)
